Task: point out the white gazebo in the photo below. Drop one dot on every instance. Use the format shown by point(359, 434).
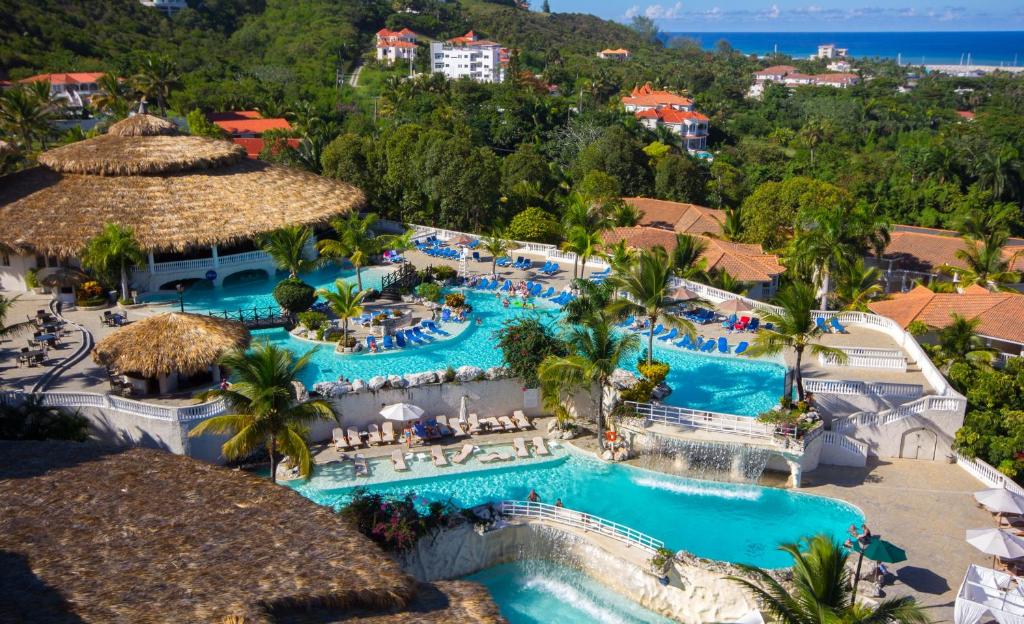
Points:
point(986, 593)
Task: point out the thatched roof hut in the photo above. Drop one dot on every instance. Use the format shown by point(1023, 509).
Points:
point(94, 535)
point(170, 342)
point(175, 191)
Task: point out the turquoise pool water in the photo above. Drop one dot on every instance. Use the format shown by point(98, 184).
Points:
point(539, 592)
point(728, 522)
point(723, 384)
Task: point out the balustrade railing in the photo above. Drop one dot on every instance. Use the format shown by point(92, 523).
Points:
point(838, 439)
point(858, 357)
point(583, 521)
point(242, 258)
point(988, 474)
point(863, 388)
point(170, 413)
point(919, 407)
point(707, 421)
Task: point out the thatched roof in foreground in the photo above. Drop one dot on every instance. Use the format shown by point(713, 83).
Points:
point(142, 536)
point(143, 125)
point(173, 341)
point(111, 155)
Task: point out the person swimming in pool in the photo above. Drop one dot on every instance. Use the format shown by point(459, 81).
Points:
point(533, 497)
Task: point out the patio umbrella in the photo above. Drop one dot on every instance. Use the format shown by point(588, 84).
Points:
point(402, 412)
point(463, 411)
point(684, 294)
point(65, 276)
point(996, 543)
point(877, 550)
point(1000, 500)
point(734, 306)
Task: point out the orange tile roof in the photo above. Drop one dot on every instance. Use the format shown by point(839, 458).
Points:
point(836, 77)
point(396, 43)
point(968, 115)
point(647, 96)
point(926, 249)
point(619, 51)
point(1000, 314)
point(253, 126)
point(65, 78)
point(234, 115)
point(746, 263)
point(677, 216)
point(775, 70)
point(253, 147)
point(673, 116)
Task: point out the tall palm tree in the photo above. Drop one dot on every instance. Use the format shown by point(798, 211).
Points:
point(619, 255)
point(346, 301)
point(821, 250)
point(721, 279)
point(27, 116)
point(114, 249)
point(114, 97)
point(732, 228)
point(648, 284)
point(857, 285)
point(287, 248)
point(576, 241)
point(156, 79)
point(496, 245)
point(819, 590)
point(793, 329)
point(986, 264)
point(958, 342)
point(262, 409)
point(592, 301)
point(5, 309)
point(687, 261)
point(356, 241)
point(581, 212)
point(597, 351)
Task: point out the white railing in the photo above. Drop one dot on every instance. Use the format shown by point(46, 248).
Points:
point(863, 388)
point(838, 439)
point(171, 413)
point(745, 426)
point(987, 474)
point(183, 265)
point(242, 258)
point(860, 357)
point(551, 252)
point(199, 264)
point(919, 407)
point(579, 520)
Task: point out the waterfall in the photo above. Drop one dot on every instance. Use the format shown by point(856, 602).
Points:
point(698, 459)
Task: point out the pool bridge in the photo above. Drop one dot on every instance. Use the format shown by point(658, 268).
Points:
point(257, 318)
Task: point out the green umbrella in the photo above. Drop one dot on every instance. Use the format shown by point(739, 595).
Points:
point(877, 550)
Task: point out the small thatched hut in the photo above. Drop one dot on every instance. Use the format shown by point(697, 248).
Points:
point(94, 535)
point(183, 196)
point(170, 350)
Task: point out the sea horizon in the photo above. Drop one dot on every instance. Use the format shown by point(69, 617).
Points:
point(984, 47)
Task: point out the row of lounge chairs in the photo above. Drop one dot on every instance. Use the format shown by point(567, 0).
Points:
point(743, 323)
point(832, 326)
point(431, 429)
point(521, 262)
point(393, 257)
point(711, 345)
point(440, 459)
point(549, 268)
point(403, 338)
point(516, 422)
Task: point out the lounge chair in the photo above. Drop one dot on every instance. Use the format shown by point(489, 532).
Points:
point(708, 347)
point(474, 424)
point(521, 420)
point(657, 330)
point(742, 324)
point(493, 423)
point(755, 324)
point(446, 315)
point(353, 438)
point(362, 468)
point(339, 439)
point(837, 326)
point(494, 456)
point(519, 444)
point(434, 329)
point(820, 322)
point(441, 424)
point(670, 335)
point(437, 453)
point(723, 345)
point(463, 454)
point(730, 322)
point(476, 256)
point(398, 459)
point(685, 343)
point(374, 435)
point(741, 347)
point(483, 284)
point(387, 432)
point(506, 423)
point(456, 428)
point(400, 340)
point(540, 447)
point(389, 342)
point(371, 343)
point(506, 285)
point(412, 337)
point(419, 334)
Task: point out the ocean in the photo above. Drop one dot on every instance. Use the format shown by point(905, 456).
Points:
point(919, 48)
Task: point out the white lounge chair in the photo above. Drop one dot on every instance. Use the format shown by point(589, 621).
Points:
point(439, 457)
point(353, 438)
point(374, 437)
point(474, 424)
point(442, 424)
point(506, 423)
point(521, 420)
point(539, 447)
point(494, 456)
point(388, 432)
point(458, 430)
point(519, 444)
point(492, 424)
point(398, 459)
point(463, 454)
point(362, 468)
point(339, 439)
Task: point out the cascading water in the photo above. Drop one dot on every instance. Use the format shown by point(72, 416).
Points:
point(717, 461)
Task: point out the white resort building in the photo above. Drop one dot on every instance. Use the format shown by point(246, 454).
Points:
point(396, 45)
point(830, 51)
point(471, 57)
point(74, 90)
point(170, 7)
point(620, 54)
point(662, 108)
point(789, 76)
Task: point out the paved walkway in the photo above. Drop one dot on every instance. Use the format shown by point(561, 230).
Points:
point(924, 507)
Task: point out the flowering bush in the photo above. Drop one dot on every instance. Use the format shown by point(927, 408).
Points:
point(90, 290)
point(455, 300)
point(396, 524)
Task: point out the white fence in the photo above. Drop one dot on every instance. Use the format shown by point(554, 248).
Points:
point(198, 264)
point(584, 521)
point(171, 413)
point(987, 474)
point(241, 258)
point(863, 388)
point(837, 439)
point(919, 407)
point(551, 252)
point(707, 421)
point(861, 357)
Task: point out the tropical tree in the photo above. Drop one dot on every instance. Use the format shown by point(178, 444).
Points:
point(597, 350)
point(583, 213)
point(115, 249)
point(12, 329)
point(496, 245)
point(819, 249)
point(619, 255)
point(985, 263)
point(26, 115)
point(625, 215)
point(356, 241)
point(114, 97)
point(732, 227)
point(819, 592)
point(723, 280)
point(793, 328)
point(262, 409)
point(687, 260)
point(157, 78)
point(958, 342)
point(857, 285)
point(647, 284)
point(593, 301)
point(346, 301)
point(287, 248)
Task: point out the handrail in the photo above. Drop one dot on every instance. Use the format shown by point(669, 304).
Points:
point(919, 407)
point(863, 388)
point(988, 475)
point(580, 520)
point(704, 420)
point(881, 358)
point(152, 411)
point(836, 438)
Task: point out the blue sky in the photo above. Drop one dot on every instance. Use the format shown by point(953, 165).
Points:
point(809, 15)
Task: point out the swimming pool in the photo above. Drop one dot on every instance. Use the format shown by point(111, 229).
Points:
point(724, 521)
point(538, 592)
point(723, 384)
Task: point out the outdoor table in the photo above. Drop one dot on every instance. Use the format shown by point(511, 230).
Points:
point(28, 356)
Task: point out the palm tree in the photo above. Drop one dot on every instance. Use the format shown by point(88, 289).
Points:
point(5, 309)
point(597, 352)
point(581, 212)
point(687, 261)
point(958, 342)
point(577, 239)
point(821, 250)
point(793, 328)
point(157, 78)
point(732, 228)
point(648, 284)
point(114, 249)
point(625, 215)
point(721, 279)
point(619, 255)
point(496, 245)
point(355, 241)
point(986, 265)
point(287, 248)
point(26, 116)
point(346, 302)
point(819, 590)
point(593, 301)
point(857, 285)
point(262, 408)
point(114, 97)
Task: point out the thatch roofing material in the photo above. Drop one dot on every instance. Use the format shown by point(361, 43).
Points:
point(145, 536)
point(143, 125)
point(112, 155)
point(186, 343)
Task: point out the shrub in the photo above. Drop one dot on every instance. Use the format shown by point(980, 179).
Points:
point(312, 319)
point(455, 300)
point(449, 374)
point(32, 278)
point(396, 523)
point(396, 313)
point(655, 372)
point(640, 392)
point(533, 224)
point(443, 272)
point(34, 421)
point(429, 291)
point(294, 295)
point(524, 343)
point(917, 328)
point(90, 290)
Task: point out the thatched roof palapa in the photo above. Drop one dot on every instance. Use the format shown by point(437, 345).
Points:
point(176, 192)
point(173, 341)
point(94, 535)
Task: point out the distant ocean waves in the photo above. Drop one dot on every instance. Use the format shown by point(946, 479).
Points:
point(985, 48)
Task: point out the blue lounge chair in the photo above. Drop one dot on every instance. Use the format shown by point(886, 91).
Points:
point(519, 261)
point(560, 298)
point(755, 324)
point(411, 337)
point(723, 345)
point(698, 345)
point(527, 263)
point(820, 322)
point(434, 329)
point(547, 265)
point(729, 322)
point(446, 315)
point(389, 342)
point(550, 291)
point(474, 244)
point(708, 347)
point(529, 286)
point(685, 343)
point(507, 286)
point(476, 256)
point(657, 330)
point(494, 285)
point(536, 289)
point(419, 334)
point(627, 322)
point(769, 327)
point(603, 273)
point(504, 261)
point(670, 335)
point(836, 325)
point(371, 342)
point(484, 284)
point(400, 340)
point(552, 269)
point(741, 347)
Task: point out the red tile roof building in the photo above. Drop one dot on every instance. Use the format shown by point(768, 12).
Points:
point(396, 45)
point(914, 248)
point(74, 88)
point(246, 128)
point(677, 216)
point(662, 108)
point(789, 76)
point(469, 56)
point(620, 54)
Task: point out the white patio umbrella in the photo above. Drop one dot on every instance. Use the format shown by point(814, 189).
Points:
point(1000, 500)
point(402, 412)
point(463, 411)
point(996, 543)
point(734, 305)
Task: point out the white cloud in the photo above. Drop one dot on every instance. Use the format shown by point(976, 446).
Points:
point(657, 11)
point(771, 12)
point(632, 12)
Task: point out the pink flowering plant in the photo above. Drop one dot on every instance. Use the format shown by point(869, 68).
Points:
point(397, 523)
